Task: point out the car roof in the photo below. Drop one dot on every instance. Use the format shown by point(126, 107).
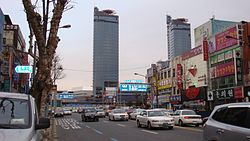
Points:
point(240, 104)
point(14, 95)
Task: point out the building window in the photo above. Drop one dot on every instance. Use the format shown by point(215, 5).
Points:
point(169, 73)
point(173, 72)
point(165, 74)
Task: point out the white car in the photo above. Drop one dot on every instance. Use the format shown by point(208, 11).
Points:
point(19, 118)
point(67, 112)
point(136, 112)
point(100, 113)
point(154, 118)
point(118, 114)
point(182, 117)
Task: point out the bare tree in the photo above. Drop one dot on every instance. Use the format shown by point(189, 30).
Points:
point(57, 70)
point(46, 45)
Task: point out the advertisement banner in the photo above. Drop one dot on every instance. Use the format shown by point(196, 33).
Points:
point(192, 53)
point(223, 42)
point(205, 50)
point(194, 93)
point(179, 76)
point(225, 69)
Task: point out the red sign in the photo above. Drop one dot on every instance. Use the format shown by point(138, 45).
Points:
point(238, 92)
point(192, 53)
point(205, 50)
point(179, 76)
point(223, 42)
point(192, 93)
point(225, 69)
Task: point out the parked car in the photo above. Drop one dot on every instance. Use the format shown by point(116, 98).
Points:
point(185, 116)
point(154, 118)
point(136, 112)
point(100, 113)
point(228, 122)
point(89, 114)
point(118, 114)
point(19, 118)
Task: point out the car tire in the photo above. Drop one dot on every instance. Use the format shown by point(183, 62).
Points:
point(197, 125)
point(180, 123)
point(138, 124)
point(149, 125)
point(109, 118)
point(170, 127)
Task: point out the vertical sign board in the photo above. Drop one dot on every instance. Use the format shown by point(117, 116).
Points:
point(238, 67)
point(179, 76)
point(205, 50)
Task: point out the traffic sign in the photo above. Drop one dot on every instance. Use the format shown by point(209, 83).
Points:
point(23, 69)
point(210, 96)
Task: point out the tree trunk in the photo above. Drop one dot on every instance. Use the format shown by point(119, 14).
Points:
point(42, 83)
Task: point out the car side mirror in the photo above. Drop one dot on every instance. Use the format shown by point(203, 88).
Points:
point(43, 123)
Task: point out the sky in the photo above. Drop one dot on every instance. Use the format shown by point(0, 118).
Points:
point(142, 32)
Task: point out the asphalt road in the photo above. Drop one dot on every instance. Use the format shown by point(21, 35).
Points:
point(71, 128)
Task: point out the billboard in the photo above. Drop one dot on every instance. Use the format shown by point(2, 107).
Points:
point(133, 87)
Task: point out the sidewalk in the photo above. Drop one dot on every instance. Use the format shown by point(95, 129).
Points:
point(50, 133)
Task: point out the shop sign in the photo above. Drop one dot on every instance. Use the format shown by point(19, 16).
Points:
point(194, 93)
point(205, 50)
point(238, 67)
point(192, 53)
point(222, 42)
point(225, 69)
point(229, 54)
point(224, 94)
point(221, 57)
point(179, 76)
point(238, 93)
point(175, 98)
point(214, 59)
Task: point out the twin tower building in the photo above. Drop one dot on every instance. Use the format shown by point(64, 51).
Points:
point(106, 46)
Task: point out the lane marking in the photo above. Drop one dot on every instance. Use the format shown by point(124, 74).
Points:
point(150, 132)
point(97, 131)
point(191, 129)
point(122, 125)
point(106, 121)
point(87, 126)
point(113, 139)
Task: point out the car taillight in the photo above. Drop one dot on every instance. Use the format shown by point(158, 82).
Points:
point(186, 117)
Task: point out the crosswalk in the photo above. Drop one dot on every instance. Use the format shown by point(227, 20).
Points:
point(67, 123)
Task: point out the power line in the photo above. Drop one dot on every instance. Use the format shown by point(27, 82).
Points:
point(128, 69)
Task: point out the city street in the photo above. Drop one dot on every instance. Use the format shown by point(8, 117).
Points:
point(71, 128)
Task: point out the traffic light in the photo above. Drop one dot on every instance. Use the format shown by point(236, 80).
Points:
point(240, 34)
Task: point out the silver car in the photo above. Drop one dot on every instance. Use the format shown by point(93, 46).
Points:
point(228, 122)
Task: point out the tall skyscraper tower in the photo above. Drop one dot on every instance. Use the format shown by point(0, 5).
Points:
point(106, 50)
point(178, 36)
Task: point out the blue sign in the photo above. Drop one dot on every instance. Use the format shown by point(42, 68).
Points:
point(66, 96)
point(133, 81)
point(133, 87)
point(23, 69)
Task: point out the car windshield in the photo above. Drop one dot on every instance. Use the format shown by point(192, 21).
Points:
point(188, 113)
point(90, 110)
point(155, 113)
point(99, 110)
point(139, 110)
point(119, 111)
point(14, 113)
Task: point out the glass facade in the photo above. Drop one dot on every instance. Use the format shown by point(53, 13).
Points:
point(106, 50)
point(179, 37)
